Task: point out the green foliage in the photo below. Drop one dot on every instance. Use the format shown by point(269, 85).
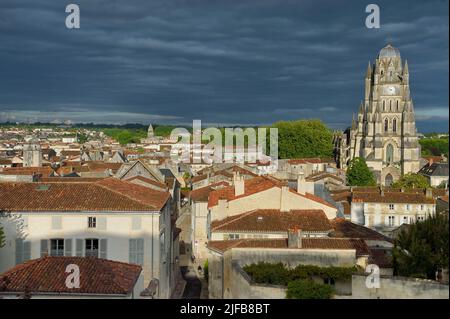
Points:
point(278, 274)
point(304, 138)
point(422, 248)
point(308, 289)
point(359, 174)
point(125, 136)
point(206, 270)
point(434, 146)
point(267, 273)
point(82, 138)
point(412, 180)
point(163, 130)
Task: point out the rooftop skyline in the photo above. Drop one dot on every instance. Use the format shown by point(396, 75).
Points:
point(246, 63)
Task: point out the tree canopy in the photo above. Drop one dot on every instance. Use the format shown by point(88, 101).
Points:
point(434, 146)
point(304, 138)
point(412, 180)
point(359, 174)
point(422, 248)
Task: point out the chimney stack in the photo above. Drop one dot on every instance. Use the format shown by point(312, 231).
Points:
point(238, 182)
point(304, 186)
point(294, 238)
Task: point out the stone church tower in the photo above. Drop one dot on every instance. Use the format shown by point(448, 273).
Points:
point(32, 153)
point(384, 131)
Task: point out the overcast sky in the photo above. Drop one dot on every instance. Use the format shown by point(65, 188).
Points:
point(224, 62)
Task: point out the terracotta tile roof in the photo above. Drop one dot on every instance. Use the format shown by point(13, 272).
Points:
point(380, 257)
point(346, 229)
point(69, 179)
point(256, 185)
point(392, 197)
point(5, 161)
point(44, 171)
point(307, 243)
point(272, 220)
point(48, 275)
point(252, 186)
point(105, 195)
point(140, 193)
point(444, 198)
point(321, 175)
point(201, 194)
point(70, 152)
point(102, 166)
point(146, 180)
point(198, 178)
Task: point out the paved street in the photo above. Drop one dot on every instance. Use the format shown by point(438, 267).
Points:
point(193, 286)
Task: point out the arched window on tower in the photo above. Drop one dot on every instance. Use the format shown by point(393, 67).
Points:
point(398, 106)
point(390, 105)
point(384, 105)
point(386, 125)
point(389, 154)
point(394, 125)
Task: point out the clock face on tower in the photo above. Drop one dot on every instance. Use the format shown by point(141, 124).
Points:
point(390, 90)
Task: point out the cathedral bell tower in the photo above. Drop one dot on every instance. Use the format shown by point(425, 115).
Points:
point(384, 131)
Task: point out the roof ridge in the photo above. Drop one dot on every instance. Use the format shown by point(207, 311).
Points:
point(122, 194)
point(238, 217)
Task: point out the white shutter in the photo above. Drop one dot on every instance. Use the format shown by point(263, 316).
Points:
point(44, 247)
point(140, 251)
point(79, 247)
point(68, 247)
point(26, 250)
point(103, 248)
point(19, 251)
point(132, 249)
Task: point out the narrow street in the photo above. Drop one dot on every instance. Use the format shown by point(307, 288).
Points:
point(193, 286)
point(196, 286)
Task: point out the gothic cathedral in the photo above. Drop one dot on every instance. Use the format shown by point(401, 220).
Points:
point(384, 132)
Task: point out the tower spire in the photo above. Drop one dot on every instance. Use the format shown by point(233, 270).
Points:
point(369, 71)
point(405, 68)
point(353, 122)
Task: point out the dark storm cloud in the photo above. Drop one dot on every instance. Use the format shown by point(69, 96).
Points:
point(244, 62)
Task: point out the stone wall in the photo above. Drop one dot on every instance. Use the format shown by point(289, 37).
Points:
point(242, 287)
point(399, 288)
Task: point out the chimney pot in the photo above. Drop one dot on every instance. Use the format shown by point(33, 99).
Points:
point(294, 238)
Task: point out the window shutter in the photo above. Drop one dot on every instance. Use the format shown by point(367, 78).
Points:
point(19, 251)
point(56, 222)
point(44, 247)
point(132, 250)
point(101, 223)
point(103, 248)
point(136, 223)
point(26, 250)
point(140, 251)
point(79, 247)
point(68, 247)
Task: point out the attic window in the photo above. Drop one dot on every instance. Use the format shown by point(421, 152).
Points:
point(260, 218)
point(42, 187)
